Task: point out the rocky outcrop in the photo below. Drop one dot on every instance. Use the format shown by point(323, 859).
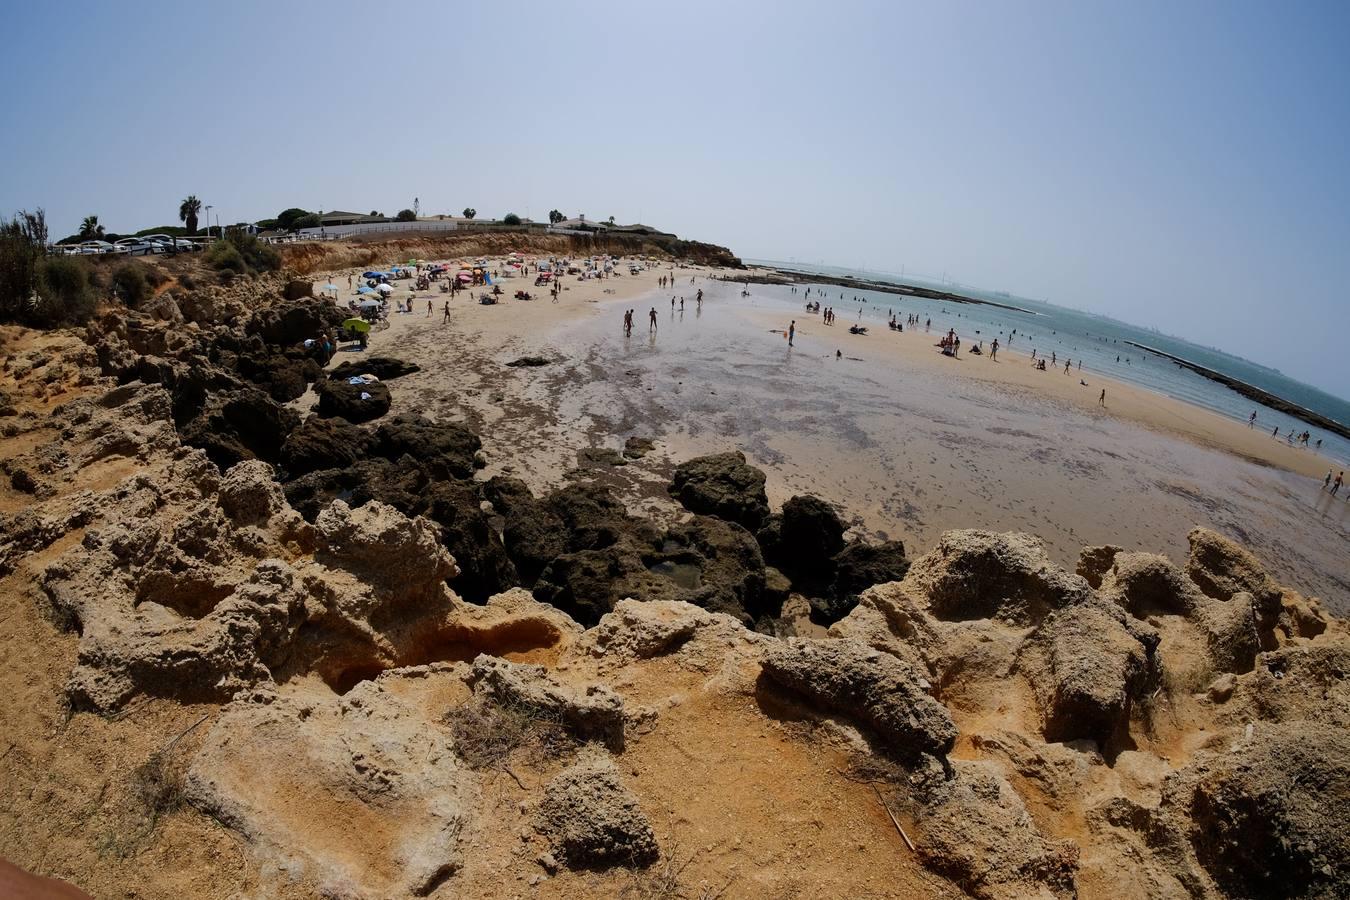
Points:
point(592, 820)
point(1088, 666)
point(382, 367)
point(722, 485)
point(1264, 820)
point(1220, 569)
point(982, 575)
point(293, 776)
point(882, 692)
point(360, 402)
point(324, 443)
point(444, 449)
point(593, 712)
point(975, 829)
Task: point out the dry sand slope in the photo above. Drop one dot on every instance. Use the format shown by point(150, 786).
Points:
point(250, 654)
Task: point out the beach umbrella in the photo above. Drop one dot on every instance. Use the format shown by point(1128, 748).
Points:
point(385, 289)
point(369, 304)
point(330, 287)
point(365, 290)
point(371, 274)
point(356, 325)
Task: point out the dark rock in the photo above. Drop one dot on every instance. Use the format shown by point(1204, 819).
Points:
point(292, 321)
point(722, 485)
point(859, 566)
point(600, 457)
point(730, 568)
point(403, 486)
point(445, 449)
point(382, 367)
point(320, 443)
point(529, 361)
point(810, 531)
point(588, 583)
point(638, 447)
point(296, 289)
point(484, 568)
point(239, 425)
point(354, 402)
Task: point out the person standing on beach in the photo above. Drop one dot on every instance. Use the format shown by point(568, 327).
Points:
point(792, 332)
point(1276, 432)
point(993, 351)
point(1326, 482)
point(1101, 401)
point(445, 314)
point(1336, 485)
point(1066, 366)
point(1252, 421)
point(652, 316)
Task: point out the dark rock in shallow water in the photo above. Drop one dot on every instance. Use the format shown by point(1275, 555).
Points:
point(722, 485)
point(382, 367)
point(354, 402)
point(599, 456)
point(446, 450)
point(638, 447)
point(321, 443)
point(529, 361)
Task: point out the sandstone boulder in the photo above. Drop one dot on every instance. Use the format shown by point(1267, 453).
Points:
point(592, 712)
point(884, 693)
point(592, 820)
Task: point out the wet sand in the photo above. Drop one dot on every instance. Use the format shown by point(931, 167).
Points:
point(907, 443)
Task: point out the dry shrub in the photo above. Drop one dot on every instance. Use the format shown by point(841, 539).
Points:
point(486, 735)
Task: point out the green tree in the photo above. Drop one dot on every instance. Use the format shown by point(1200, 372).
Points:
point(90, 229)
point(187, 212)
point(287, 217)
point(311, 220)
point(510, 219)
point(609, 221)
point(469, 212)
point(406, 215)
point(554, 217)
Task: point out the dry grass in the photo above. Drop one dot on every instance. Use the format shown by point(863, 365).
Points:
point(486, 736)
point(665, 880)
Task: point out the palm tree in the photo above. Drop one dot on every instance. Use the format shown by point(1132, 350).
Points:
point(187, 212)
point(90, 229)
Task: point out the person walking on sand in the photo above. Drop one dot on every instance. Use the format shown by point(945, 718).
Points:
point(428, 307)
point(1251, 420)
point(1326, 482)
point(1276, 432)
point(792, 332)
point(445, 314)
point(993, 351)
point(1101, 401)
point(1336, 485)
point(652, 316)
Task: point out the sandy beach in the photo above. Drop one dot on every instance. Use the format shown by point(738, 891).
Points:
point(907, 442)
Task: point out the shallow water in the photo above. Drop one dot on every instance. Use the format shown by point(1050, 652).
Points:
point(910, 452)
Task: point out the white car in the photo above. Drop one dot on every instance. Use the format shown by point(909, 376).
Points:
point(136, 247)
point(94, 248)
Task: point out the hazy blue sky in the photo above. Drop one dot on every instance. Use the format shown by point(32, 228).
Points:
point(1179, 165)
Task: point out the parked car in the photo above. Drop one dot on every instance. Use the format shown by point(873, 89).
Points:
point(137, 247)
point(94, 248)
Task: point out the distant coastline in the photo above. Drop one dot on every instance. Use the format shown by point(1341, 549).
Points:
point(788, 276)
point(1254, 393)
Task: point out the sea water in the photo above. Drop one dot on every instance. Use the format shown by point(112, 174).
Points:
point(1097, 341)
